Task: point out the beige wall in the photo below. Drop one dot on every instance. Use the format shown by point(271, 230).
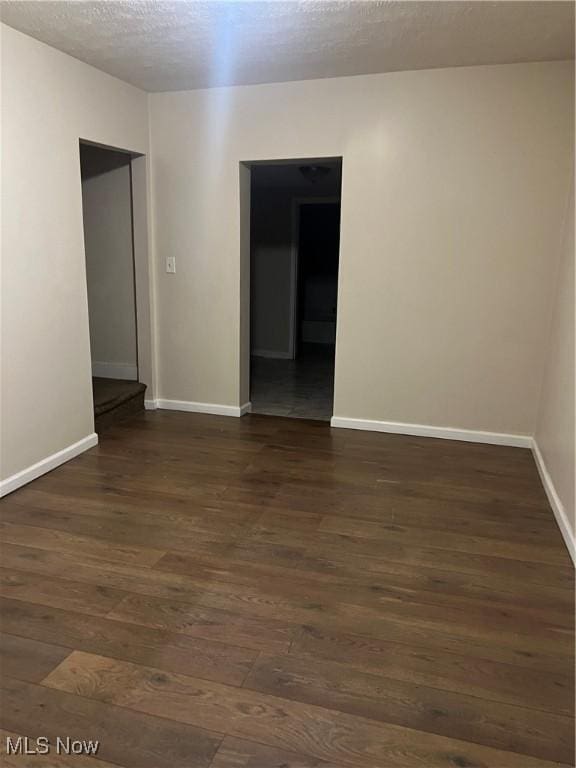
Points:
point(49, 101)
point(107, 217)
point(454, 183)
point(555, 428)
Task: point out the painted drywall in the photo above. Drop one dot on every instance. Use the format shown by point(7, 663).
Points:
point(454, 184)
point(49, 101)
point(107, 215)
point(556, 420)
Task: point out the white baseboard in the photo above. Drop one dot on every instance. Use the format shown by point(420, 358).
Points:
point(115, 371)
point(47, 464)
point(271, 353)
point(150, 405)
point(186, 405)
point(424, 430)
point(555, 502)
point(246, 408)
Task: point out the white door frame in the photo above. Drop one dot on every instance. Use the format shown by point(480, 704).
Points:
point(297, 203)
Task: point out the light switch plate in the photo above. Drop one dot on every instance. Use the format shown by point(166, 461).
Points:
point(171, 264)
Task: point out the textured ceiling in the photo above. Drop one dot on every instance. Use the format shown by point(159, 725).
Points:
point(161, 45)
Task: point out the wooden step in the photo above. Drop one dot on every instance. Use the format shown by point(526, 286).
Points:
point(115, 400)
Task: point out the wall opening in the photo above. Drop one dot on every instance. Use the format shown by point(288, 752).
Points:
point(110, 243)
point(294, 237)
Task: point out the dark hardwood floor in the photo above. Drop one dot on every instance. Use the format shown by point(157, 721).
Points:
point(203, 591)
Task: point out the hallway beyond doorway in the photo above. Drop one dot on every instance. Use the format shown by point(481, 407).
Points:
point(294, 242)
point(302, 388)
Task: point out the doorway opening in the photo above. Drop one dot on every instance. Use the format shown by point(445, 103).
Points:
point(107, 209)
point(294, 254)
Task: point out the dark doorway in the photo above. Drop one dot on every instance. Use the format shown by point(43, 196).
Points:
point(295, 239)
point(317, 273)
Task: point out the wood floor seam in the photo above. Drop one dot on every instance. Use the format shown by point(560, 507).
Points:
point(272, 742)
point(557, 715)
point(218, 734)
point(207, 592)
point(299, 625)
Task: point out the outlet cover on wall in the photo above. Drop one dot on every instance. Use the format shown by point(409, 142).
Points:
point(171, 264)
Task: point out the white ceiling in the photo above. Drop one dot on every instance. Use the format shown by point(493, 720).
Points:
point(161, 45)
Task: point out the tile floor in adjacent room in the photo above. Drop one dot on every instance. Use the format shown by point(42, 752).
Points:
point(302, 388)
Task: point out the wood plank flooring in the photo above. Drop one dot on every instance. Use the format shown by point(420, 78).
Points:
point(209, 592)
